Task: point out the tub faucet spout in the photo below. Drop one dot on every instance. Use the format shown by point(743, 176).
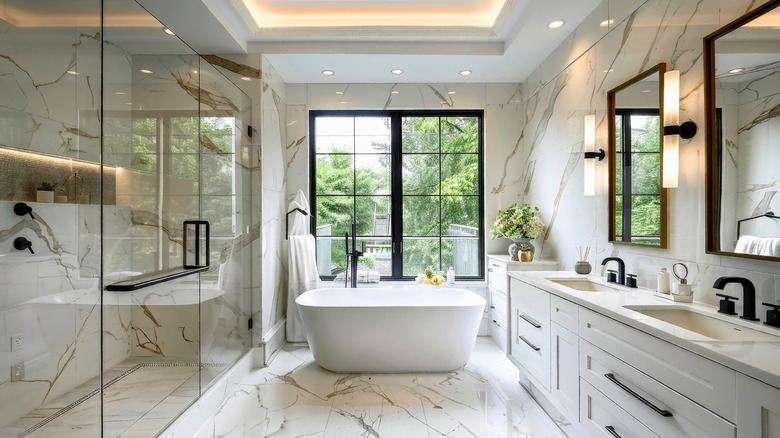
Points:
point(352, 257)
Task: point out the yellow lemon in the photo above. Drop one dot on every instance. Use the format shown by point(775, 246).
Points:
point(437, 280)
point(427, 281)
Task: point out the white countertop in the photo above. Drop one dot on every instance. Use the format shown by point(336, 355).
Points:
point(760, 360)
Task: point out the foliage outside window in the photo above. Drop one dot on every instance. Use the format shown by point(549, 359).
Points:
point(411, 183)
point(638, 176)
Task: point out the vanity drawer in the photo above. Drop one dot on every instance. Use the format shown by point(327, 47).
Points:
point(530, 300)
point(662, 409)
point(603, 418)
point(498, 304)
point(565, 313)
point(497, 275)
point(498, 331)
point(702, 380)
point(530, 346)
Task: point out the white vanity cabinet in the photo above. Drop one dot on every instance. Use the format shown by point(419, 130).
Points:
point(674, 392)
point(758, 409)
point(498, 290)
point(564, 356)
point(530, 331)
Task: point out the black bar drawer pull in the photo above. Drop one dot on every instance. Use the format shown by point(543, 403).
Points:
point(612, 432)
point(528, 320)
point(529, 344)
point(661, 412)
point(496, 323)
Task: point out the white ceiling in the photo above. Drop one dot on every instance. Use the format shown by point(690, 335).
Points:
point(431, 40)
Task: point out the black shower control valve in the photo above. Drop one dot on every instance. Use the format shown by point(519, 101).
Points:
point(726, 305)
point(21, 244)
point(22, 209)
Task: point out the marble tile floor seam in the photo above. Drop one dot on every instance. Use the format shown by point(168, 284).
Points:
point(294, 397)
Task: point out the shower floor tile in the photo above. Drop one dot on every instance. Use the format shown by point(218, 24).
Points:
point(140, 404)
point(294, 397)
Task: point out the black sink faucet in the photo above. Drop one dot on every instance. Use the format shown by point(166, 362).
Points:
point(621, 277)
point(748, 295)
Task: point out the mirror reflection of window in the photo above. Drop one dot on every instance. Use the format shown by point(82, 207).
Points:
point(638, 176)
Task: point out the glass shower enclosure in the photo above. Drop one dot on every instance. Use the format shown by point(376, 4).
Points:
point(114, 134)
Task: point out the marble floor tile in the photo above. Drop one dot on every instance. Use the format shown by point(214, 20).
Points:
point(294, 397)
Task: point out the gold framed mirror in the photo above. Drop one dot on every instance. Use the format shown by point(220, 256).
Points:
point(637, 202)
point(742, 98)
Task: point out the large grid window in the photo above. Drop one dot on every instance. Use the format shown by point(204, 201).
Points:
point(638, 176)
point(410, 181)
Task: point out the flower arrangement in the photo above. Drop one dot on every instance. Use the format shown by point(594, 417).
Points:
point(515, 222)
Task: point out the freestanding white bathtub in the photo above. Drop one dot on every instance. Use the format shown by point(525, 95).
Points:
point(391, 330)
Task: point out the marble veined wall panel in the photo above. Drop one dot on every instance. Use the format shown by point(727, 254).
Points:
point(572, 83)
point(274, 141)
point(51, 298)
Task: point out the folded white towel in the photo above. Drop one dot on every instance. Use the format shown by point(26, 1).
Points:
point(766, 246)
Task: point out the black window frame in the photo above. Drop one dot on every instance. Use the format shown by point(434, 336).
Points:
point(396, 177)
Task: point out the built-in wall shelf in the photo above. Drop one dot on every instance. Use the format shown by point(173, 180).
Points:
point(145, 280)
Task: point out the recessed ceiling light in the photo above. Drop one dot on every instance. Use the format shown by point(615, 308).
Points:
point(394, 92)
point(609, 70)
point(342, 101)
point(450, 92)
point(246, 78)
point(397, 71)
point(169, 32)
point(328, 72)
point(646, 91)
point(607, 23)
point(146, 71)
point(73, 72)
point(119, 93)
point(195, 72)
point(464, 72)
point(555, 24)
point(128, 103)
point(736, 70)
point(339, 93)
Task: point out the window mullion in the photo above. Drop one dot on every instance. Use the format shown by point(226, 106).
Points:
point(396, 195)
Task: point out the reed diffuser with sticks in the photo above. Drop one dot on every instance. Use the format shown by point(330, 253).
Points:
point(583, 265)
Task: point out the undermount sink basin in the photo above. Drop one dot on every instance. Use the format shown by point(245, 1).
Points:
point(703, 324)
point(582, 284)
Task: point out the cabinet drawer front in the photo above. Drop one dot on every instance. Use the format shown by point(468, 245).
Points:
point(708, 383)
point(530, 300)
point(499, 334)
point(530, 346)
point(498, 303)
point(497, 275)
point(603, 418)
point(662, 409)
point(565, 313)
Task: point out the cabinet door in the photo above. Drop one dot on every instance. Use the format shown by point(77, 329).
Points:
point(565, 373)
point(758, 409)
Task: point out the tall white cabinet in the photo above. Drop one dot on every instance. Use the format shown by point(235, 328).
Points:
point(498, 266)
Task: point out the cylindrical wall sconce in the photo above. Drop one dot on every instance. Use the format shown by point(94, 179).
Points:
point(589, 171)
point(673, 130)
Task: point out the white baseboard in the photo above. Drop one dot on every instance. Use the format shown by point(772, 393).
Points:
point(273, 341)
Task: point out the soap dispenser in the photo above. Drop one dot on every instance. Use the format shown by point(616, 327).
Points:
point(451, 276)
point(663, 281)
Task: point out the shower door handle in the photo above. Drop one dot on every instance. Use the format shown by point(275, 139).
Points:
point(197, 225)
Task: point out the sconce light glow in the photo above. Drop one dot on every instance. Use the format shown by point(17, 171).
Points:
point(673, 129)
point(589, 137)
